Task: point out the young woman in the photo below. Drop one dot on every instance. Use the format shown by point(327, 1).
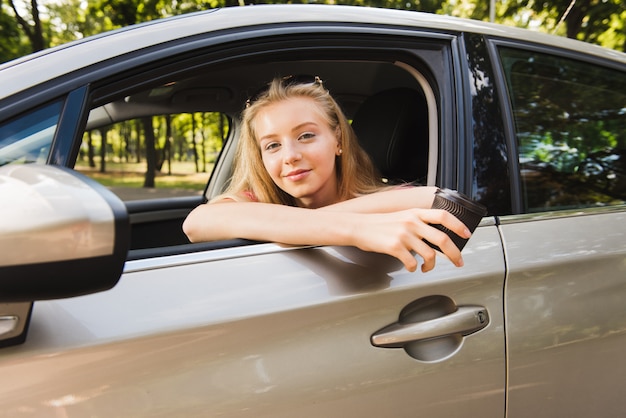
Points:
point(301, 178)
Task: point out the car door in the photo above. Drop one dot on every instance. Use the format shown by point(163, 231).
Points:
point(260, 329)
point(566, 252)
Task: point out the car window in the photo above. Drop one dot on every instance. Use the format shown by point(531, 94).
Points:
point(178, 120)
point(570, 122)
point(151, 156)
point(27, 138)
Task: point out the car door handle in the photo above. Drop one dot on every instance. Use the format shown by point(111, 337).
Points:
point(465, 321)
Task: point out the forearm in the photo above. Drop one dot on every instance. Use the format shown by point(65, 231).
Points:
point(392, 200)
point(380, 222)
point(269, 222)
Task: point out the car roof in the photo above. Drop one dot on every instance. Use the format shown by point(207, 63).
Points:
point(46, 65)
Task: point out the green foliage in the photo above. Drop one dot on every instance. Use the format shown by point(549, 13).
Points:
point(194, 138)
point(595, 21)
point(12, 42)
point(469, 9)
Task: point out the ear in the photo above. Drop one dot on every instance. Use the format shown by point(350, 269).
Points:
point(338, 136)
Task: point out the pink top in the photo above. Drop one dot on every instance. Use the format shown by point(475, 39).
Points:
point(250, 195)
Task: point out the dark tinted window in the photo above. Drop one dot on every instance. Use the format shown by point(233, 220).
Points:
point(570, 121)
point(27, 139)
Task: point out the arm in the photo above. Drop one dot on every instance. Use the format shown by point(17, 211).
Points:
point(371, 224)
point(263, 222)
point(390, 200)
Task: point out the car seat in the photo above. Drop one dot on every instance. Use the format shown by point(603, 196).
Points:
point(392, 127)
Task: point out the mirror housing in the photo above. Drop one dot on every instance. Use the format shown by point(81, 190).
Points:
point(62, 234)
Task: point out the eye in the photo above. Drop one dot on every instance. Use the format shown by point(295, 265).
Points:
point(271, 146)
point(306, 135)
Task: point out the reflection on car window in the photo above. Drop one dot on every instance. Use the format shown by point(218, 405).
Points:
point(150, 157)
point(27, 139)
point(570, 120)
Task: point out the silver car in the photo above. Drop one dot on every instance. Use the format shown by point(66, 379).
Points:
point(106, 310)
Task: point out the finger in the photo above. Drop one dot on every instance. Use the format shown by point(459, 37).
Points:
point(410, 264)
point(428, 255)
point(445, 218)
point(445, 244)
point(407, 258)
point(451, 251)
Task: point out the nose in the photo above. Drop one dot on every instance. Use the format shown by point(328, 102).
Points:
point(291, 152)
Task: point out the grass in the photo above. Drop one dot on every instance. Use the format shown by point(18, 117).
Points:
point(127, 179)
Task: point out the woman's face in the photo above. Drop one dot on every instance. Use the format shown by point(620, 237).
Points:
point(299, 150)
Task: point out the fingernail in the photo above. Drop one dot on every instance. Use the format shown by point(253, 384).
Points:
point(460, 263)
point(467, 233)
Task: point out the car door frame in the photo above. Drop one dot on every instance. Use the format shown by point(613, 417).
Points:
point(180, 58)
point(543, 342)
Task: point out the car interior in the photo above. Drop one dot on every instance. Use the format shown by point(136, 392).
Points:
point(391, 105)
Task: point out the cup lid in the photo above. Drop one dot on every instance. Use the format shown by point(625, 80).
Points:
point(463, 200)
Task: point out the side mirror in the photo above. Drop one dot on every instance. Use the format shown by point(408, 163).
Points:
point(61, 234)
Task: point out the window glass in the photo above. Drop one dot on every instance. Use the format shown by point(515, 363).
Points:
point(27, 139)
point(149, 157)
point(570, 121)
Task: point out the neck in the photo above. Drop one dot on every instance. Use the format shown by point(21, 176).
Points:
point(311, 203)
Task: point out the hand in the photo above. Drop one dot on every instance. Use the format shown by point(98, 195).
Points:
point(400, 234)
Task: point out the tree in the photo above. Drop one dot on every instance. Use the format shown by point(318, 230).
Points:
point(148, 131)
point(69, 21)
point(469, 9)
point(585, 20)
point(32, 29)
point(104, 133)
point(12, 44)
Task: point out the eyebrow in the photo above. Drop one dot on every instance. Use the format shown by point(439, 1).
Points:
point(294, 129)
point(303, 124)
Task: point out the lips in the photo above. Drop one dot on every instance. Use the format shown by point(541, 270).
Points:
point(296, 175)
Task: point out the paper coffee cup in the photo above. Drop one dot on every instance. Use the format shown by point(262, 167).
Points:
point(465, 209)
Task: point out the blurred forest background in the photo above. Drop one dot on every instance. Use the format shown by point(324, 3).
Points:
point(28, 26)
point(175, 153)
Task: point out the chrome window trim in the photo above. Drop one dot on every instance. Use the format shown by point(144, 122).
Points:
point(240, 251)
point(206, 256)
point(559, 214)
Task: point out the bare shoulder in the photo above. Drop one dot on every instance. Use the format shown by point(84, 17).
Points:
point(243, 196)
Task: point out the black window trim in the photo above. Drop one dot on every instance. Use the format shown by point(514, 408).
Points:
point(68, 135)
point(509, 126)
point(475, 48)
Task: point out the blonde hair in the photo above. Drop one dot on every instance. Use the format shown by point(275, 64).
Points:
point(355, 171)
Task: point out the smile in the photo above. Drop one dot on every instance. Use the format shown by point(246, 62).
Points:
point(297, 175)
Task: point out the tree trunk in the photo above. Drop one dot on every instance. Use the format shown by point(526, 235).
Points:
point(127, 142)
point(103, 149)
point(575, 17)
point(90, 150)
point(193, 142)
point(138, 145)
point(150, 152)
point(33, 33)
point(168, 144)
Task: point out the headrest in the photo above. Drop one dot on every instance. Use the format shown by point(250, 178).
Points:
point(392, 126)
